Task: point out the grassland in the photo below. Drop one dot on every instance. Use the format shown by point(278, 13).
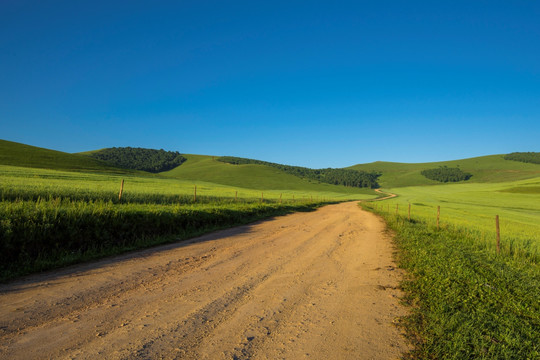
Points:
point(490, 169)
point(473, 206)
point(467, 300)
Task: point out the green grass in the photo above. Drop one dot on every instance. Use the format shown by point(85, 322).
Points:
point(30, 184)
point(473, 206)
point(493, 168)
point(523, 190)
point(466, 301)
point(16, 154)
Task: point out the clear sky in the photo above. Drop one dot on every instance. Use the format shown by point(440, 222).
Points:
point(311, 83)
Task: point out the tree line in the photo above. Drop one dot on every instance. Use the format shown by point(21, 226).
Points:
point(345, 177)
point(446, 174)
point(150, 160)
point(526, 157)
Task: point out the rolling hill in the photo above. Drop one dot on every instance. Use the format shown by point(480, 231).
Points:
point(17, 154)
point(208, 168)
point(492, 168)
point(485, 169)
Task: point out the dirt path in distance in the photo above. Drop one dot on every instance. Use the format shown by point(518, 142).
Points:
point(319, 285)
point(390, 195)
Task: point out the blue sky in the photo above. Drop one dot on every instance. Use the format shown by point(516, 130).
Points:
point(318, 84)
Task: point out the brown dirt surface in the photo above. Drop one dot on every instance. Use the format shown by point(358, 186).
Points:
point(318, 285)
point(390, 195)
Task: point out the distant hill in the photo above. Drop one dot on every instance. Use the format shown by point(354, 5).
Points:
point(492, 168)
point(150, 160)
point(17, 154)
point(252, 176)
point(345, 177)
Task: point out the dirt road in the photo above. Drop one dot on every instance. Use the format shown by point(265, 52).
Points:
point(390, 195)
point(315, 285)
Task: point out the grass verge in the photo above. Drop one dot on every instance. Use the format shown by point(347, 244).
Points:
point(467, 302)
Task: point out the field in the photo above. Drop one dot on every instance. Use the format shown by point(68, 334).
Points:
point(473, 206)
point(467, 300)
point(51, 218)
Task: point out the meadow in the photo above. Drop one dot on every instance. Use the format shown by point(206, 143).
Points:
point(51, 218)
point(468, 301)
point(472, 207)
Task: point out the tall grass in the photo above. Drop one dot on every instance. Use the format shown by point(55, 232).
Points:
point(37, 235)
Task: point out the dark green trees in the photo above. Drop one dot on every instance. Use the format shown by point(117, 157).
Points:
point(344, 177)
point(526, 157)
point(140, 159)
point(446, 174)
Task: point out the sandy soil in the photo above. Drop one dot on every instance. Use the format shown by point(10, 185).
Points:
point(318, 285)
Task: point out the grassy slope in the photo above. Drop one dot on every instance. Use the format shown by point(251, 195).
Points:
point(205, 168)
point(16, 154)
point(491, 168)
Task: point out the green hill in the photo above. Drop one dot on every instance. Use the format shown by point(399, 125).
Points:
point(17, 154)
point(252, 176)
point(493, 168)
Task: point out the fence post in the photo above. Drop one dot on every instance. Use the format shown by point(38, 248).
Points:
point(409, 211)
point(262, 197)
point(195, 194)
point(397, 209)
point(438, 215)
point(280, 198)
point(498, 234)
point(121, 190)
point(236, 196)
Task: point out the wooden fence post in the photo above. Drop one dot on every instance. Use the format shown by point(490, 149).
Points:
point(409, 211)
point(236, 196)
point(438, 215)
point(121, 190)
point(498, 234)
point(262, 197)
point(195, 194)
point(280, 198)
point(397, 209)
